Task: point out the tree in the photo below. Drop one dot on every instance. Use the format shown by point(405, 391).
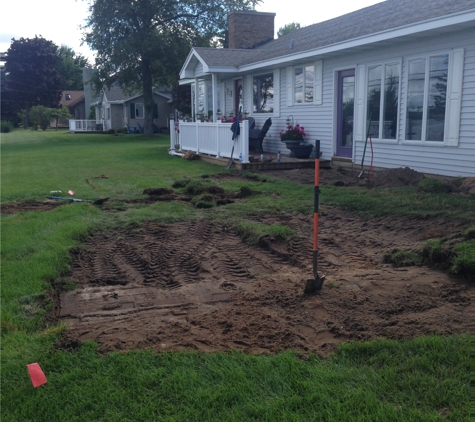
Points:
point(70, 67)
point(143, 43)
point(287, 29)
point(32, 75)
point(60, 113)
point(181, 95)
point(40, 116)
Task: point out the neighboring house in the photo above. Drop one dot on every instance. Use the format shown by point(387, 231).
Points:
point(118, 109)
point(74, 100)
point(405, 69)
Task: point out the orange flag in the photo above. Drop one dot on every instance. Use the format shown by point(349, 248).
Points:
point(36, 374)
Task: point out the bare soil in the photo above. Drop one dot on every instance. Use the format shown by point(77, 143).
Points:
point(199, 286)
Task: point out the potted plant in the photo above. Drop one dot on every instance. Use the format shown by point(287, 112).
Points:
point(293, 138)
point(292, 135)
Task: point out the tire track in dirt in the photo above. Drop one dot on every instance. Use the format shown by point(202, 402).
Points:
point(199, 286)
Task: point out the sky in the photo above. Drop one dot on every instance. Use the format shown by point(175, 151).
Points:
point(60, 20)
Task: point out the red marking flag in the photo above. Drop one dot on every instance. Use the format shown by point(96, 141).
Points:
point(36, 374)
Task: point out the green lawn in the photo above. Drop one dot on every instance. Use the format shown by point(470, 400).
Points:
point(425, 379)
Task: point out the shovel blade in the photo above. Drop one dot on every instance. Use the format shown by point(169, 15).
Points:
point(314, 284)
point(100, 201)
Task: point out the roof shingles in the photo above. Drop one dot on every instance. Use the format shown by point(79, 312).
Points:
point(390, 14)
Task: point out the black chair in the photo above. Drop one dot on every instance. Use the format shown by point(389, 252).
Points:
point(256, 136)
point(252, 123)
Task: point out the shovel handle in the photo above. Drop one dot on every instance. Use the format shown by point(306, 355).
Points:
point(316, 195)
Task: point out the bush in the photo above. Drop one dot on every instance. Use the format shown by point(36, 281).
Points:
point(40, 116)
point(6, 127)
point(111, 132)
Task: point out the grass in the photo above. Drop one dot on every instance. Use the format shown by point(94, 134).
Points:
point(425, 379)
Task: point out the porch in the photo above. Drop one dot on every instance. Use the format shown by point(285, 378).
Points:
point(87, 125)
point(213, 143)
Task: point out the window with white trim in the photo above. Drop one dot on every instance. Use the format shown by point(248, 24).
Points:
point(383, 100)
point(263, 93)
point(304, 84)
point(427, 98)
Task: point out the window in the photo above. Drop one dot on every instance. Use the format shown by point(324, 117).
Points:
point(136, 111)
point(426, 98)
point(304, 81)
point(383, 100)
point(263, 94)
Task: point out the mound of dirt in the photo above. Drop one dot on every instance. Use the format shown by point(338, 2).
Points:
point(198, 286)
point(395, 178)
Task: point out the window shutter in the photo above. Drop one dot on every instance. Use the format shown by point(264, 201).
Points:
point(318, 94)
point(155, 110)
point(360, 103)
point(454, 97)
point(132, 110)
point(277, 92)
point(290, 76)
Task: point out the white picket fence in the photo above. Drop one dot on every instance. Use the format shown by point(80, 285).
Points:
point(211, 138)
point(87, 125)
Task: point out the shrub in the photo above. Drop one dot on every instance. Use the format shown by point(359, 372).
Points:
point(6, 127)
point(111, 132)
point(40, 116)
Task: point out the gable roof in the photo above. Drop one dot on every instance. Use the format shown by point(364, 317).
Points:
point(71, 98)
point(115, 94)
point(382, 18)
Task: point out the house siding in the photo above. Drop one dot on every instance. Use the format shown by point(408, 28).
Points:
point(164, 111)
point(319, 121)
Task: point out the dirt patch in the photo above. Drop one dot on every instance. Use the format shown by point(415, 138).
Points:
point(31, 205)
point(387, 178)
point(199, 286)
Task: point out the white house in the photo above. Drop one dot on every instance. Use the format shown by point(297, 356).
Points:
point(401, 70)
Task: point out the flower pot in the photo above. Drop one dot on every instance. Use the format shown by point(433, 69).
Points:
point(301, 151)
point(289, 144)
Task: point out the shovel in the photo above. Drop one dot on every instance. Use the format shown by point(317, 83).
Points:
point(235, 136)
point(314, 284)
point(60, 198)
point(364, 151)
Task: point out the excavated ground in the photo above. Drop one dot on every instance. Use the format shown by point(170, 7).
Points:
point(199, 286)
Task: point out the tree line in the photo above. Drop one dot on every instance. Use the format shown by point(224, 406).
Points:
point(36, 73)
point(139, 45)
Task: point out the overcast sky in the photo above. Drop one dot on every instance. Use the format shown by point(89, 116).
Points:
point(60, 20)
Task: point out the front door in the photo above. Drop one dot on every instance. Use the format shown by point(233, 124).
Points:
point(238, 96)
point(345, 112)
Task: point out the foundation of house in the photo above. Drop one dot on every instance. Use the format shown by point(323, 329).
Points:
point(269, 162)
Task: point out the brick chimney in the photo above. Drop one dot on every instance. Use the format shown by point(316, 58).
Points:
point(248, 28)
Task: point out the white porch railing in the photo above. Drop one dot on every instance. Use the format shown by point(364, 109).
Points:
point(87, 125)
point(211, 138)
